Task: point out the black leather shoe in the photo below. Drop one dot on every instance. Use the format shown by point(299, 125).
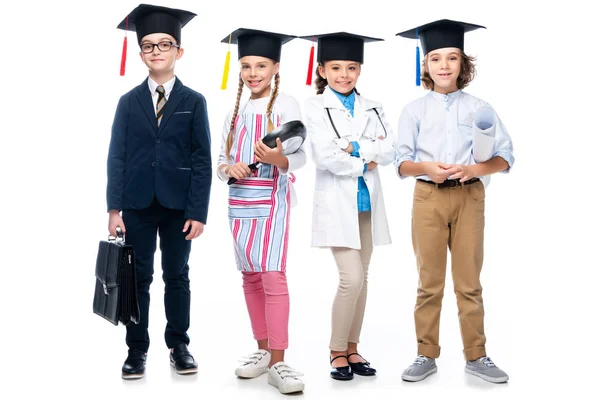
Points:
point(361, 368)
point(341, 373)
point(135, 365)
point(182, 360)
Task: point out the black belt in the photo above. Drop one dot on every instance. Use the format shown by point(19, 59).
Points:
point(451, 182)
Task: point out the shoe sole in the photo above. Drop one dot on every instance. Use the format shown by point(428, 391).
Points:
point(342, 378)
point(132, 377)
point(256, 374)
point(363, 374)
point(410, 378)
point(188, 371)
point(501, 379)
point(288, 391)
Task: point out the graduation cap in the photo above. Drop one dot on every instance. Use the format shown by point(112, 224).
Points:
point(146, 19)
point(336, 46)
point(437, 35)
point(252, 42)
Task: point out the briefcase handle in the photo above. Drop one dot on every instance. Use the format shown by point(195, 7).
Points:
point(120, 236)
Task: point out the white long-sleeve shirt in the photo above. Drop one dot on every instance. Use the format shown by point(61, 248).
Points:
point(287, 108)
point(439, 128)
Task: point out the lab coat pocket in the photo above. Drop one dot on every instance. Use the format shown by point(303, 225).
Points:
point(322, 213)
point(251, 198)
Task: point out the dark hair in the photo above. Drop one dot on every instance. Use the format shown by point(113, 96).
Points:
point(467, 72)
point(321, 83)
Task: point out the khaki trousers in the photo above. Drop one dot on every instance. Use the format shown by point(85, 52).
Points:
point(450, 218)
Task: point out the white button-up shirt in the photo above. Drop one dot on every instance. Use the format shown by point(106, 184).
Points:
point(168, 85)
point(439, 128)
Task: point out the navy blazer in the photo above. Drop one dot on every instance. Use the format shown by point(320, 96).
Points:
point(172, 162)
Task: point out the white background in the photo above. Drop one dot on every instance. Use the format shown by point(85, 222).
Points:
point(537, 66)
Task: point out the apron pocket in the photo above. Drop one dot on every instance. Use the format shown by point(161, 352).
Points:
point(251, 198)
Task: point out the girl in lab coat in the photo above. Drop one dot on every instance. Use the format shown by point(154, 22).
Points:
point(350, 140)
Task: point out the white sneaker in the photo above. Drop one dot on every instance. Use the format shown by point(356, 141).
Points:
point(285, 378)
point(254, 364)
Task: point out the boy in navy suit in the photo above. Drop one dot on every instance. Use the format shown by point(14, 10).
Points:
point(159, 179)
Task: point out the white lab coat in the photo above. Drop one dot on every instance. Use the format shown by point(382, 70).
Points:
point(335, 209)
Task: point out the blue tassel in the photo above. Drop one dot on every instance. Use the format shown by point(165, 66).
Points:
point(418, 61)
point(418, 67)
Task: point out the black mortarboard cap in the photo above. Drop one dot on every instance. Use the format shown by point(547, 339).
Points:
point(146, 19)
point(252, 42)
point(340, 46)
point(440, 34)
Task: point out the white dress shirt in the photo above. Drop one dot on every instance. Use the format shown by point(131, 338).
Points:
point(439, 128)
point(153, 85)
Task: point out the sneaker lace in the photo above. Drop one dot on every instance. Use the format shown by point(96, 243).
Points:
point(487, 362)
point(420, 360)
point(252, 358)
point(285, 371)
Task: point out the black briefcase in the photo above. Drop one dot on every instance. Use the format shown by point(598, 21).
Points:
point(115, 296)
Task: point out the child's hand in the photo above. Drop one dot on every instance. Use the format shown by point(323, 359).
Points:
point(439, 172)
point(349, 149)
point(267, 155)
point(197, 228)
point(464, 173)
point(238, 171)
point(114, 221)
point(371, 165)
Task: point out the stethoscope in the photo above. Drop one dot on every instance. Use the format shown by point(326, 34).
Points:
point(338, 134)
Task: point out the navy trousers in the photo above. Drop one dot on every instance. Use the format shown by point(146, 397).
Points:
point(142, 227)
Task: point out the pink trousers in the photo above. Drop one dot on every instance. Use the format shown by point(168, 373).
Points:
point(268, 304)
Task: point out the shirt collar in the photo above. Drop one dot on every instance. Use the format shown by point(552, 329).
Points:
point(347, 101)
point(168, 85)
point(445, 98)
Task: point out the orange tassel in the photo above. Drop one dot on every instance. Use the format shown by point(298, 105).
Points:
point(311, 60)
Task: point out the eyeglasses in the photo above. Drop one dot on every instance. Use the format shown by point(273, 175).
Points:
point(162, 46)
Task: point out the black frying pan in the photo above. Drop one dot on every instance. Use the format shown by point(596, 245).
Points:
point(292, 134)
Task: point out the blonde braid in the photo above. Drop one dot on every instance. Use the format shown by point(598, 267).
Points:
point(270, 126)
point(233, 117)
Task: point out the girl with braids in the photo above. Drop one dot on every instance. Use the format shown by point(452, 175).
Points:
point(349, 138)
point(260, 201)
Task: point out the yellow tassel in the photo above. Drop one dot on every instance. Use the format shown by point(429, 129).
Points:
point(226, 70)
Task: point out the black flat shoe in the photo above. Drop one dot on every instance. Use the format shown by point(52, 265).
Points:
point(134, 366)
point(182, 360)
point(361, 368)
point(341, 373)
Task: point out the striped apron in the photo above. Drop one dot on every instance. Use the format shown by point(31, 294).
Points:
point(259, 206)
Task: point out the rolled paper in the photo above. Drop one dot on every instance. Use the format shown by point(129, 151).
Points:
point(484, 132)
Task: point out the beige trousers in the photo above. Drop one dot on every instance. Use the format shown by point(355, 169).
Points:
point(449, 218)
point(351, 298)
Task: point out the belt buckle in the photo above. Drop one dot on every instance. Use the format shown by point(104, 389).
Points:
point(455, 183)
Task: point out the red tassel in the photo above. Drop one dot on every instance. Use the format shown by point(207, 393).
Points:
point(124, 56)
point(311, 60)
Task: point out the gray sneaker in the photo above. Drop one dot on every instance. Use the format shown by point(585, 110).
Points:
point(484, 368)
point(420, 369)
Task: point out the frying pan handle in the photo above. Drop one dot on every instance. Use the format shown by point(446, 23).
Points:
point(253, 167)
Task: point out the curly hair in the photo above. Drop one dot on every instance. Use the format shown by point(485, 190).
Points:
point(467, 72)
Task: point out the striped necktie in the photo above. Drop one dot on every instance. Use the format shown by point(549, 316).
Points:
point(160, 105)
